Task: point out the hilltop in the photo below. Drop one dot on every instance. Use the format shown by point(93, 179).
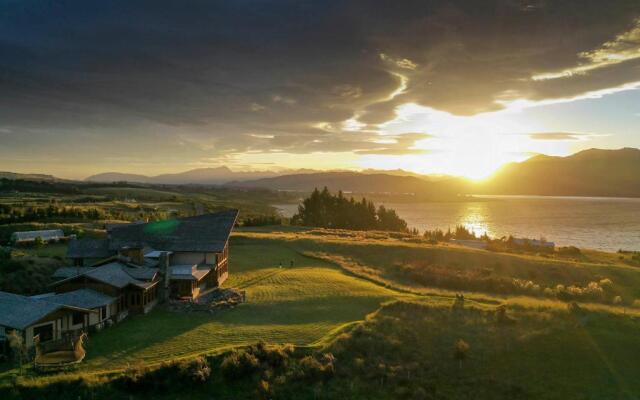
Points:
point(29, 177)
point(592, 172)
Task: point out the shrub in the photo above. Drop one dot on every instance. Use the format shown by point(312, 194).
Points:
point(313, 370)
point(617, 300)
point(570, 251)
point(5, 253)
point(197, 371)
point(239, 364)
point(264, 389)
point(263, 220)
point(460, 351)
point(277, 356)
point(501, 316)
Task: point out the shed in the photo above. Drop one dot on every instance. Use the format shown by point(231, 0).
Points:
point(31, 236)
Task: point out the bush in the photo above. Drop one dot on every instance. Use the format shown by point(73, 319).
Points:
point(277, 356)
point(570, 251)
point(197, 371)
point(313, 370)
point(5, 253)
point(239, 364)
point(264, 220)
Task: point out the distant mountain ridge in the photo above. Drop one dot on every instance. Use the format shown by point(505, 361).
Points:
point(593, 172)
point(29, 177)
point(204, 176)
point(216, 176)
point(382, 183)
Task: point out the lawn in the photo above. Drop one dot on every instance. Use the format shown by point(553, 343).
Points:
point(305, 305)
point(383, 256)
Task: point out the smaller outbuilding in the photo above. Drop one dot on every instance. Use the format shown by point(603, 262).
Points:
point(52, 235)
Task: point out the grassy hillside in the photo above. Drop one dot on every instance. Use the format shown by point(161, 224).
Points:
point(315, 288)
point(413, 263)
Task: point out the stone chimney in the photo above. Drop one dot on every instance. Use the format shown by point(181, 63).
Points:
point(135, 254)
point(163, 267)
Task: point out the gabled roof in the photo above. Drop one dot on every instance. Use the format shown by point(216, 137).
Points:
point(82, 298)
point(115, 274)
point(142, 273)
point(203, 233)
point(19, 312)
point(68, 272)
point(89, 248)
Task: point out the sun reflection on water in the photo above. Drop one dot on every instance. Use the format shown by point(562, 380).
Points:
point(475, 220)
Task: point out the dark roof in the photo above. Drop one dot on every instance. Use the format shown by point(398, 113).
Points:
point(89, 248)
point(208, 232)
point(19, 312)
point(188, 272)
point(82, 298)
point(142, 273)
point(115, 225)
point(68, 272)
point(116, 274)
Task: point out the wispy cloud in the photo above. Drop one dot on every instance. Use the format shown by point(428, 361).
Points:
point(560, 136)
point(624, 47)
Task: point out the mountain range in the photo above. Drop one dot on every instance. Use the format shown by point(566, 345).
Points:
point(220, 175)
point(202, 176)
point(592, 172)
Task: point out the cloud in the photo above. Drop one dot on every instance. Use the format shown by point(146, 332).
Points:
point(402, 144)
point(129, 77)
point(560, 136)
point(625, 47)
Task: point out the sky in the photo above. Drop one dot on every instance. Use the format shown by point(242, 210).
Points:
point(430, 86)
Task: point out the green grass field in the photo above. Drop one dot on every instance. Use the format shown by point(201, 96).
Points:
point(306, 305)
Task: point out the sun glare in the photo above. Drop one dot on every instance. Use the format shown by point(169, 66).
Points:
point(469, 146)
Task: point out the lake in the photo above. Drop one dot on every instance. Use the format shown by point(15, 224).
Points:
point(588, 222)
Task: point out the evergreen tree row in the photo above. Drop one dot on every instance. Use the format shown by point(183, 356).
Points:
point(322, 209)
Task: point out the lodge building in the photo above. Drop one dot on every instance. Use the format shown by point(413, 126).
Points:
point(128, 272)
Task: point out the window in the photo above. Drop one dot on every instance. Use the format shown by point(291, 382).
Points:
point(103, 313)
point(45, 332)
point(77, 318)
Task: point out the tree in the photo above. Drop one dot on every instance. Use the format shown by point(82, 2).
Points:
point(18, 347)
point(461, 351)
point(322, 209)
point(618, 301)
point(39, 242)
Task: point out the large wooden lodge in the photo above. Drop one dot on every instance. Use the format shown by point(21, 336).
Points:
point(130, 271)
